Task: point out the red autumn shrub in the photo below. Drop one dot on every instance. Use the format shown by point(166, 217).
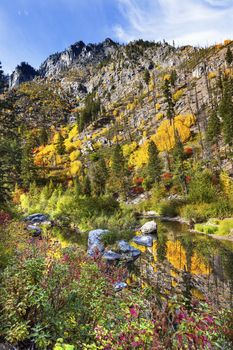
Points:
point(188, 151)
point(138, 180)
point(4, 217)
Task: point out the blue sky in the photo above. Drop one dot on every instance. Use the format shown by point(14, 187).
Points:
point(30, 30)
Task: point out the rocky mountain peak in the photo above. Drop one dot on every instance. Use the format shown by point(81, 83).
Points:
point(22, 73)
point(76, 54)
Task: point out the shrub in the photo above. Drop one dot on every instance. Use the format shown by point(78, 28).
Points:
point(205, 228)
point(201, 212)
point(225, 227)
point(62, 293)
point(170, 208)
point(201, 188)
point(69, 204)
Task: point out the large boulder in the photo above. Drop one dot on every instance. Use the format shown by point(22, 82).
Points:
point(146, 241)
point(94, 241)
point(37, 218)
point(149, 227)
point(126, 248)
point(111, 256)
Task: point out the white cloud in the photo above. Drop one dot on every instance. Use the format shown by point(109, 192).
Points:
point(196, 22)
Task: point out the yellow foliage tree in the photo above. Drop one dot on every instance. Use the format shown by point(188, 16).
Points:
point(139, 157)
point(129, 148)
point(177, 95)
point(75, 167)
point(227, 184)
point(165, 138)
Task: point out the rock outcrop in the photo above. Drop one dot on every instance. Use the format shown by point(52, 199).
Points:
point(22, 73)
point(95, 244)
point(77, 55)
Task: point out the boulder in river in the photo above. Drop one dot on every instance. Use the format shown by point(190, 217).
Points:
point(126, 248)
point(149, 227)
point(111, 256)
point(146, 241)
point(94, 241)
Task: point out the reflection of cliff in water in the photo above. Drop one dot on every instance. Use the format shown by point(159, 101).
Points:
point(188, 264)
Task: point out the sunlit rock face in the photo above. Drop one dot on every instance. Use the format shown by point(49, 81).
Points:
point(77, 54)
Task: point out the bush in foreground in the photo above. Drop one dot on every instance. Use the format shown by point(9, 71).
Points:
point(50, 295)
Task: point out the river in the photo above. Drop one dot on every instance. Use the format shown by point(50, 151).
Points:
point(180, 262)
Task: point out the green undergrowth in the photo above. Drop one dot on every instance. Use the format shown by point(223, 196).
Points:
point(84, 212)
point(218, 227)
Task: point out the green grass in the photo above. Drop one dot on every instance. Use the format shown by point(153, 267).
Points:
point(225, 227)
point(205, 228)
point(214, 226)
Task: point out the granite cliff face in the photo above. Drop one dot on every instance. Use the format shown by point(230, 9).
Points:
point(77, 55)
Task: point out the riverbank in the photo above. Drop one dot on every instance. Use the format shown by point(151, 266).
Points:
point(184, 221)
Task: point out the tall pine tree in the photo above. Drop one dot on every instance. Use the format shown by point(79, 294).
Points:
point(117, 183)
point(226, 111)
point(178, 163)
point(154, 166)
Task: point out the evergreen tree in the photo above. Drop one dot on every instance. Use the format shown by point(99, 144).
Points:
point(168, 97)
point(213, 128)
point(146, 78)
point(86, 187)
point(60, 147)
point(90, 112)
point(5, 172)
point(28, 169)
point(229, 56)
point(226, 111)
point(178, 163)
point(2, 79)
point(98, 175)
point(154, 167)
point(118, 161)
point(173, 77)
point(118, 176)
point(43, 137)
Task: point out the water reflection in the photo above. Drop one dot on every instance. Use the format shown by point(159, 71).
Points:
point(193, 265)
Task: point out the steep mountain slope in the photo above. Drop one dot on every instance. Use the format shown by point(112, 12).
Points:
point(91, 97)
